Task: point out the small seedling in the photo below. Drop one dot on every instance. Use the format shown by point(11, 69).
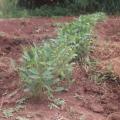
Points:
point(57, 25)
point(8, 112)
point(21, 101)
point(57, 103)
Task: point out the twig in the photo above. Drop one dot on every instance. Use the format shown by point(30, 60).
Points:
point(2, 101)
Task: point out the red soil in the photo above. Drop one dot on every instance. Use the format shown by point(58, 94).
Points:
point(85, 99)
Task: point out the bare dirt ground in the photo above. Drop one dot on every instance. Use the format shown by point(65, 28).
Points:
point(85, 100)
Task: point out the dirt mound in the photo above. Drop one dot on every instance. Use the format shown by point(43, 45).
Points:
point(32, 27)
point(109, 29)
point(114, 116)
point(102, 98)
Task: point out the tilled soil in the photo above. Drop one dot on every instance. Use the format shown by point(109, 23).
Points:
point(86, 100)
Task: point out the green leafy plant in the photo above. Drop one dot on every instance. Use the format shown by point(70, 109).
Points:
point(78, 35)
point(45, 68)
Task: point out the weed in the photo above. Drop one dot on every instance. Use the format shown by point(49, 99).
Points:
point(109, 76)
point(10, 111)
point(104, 75)
point(21, 101)
point(56, 103)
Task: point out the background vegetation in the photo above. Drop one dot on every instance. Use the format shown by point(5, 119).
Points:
point(27, 8)
point(107, 5)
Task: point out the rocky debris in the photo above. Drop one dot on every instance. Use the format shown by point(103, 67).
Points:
point(114, 116)
point(97, 108)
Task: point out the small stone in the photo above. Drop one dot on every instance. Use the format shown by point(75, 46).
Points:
point(21, 118)
point(113, 107)
point(97, 108)
point(114, 116)
point(88, 117)
point(29, 116)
